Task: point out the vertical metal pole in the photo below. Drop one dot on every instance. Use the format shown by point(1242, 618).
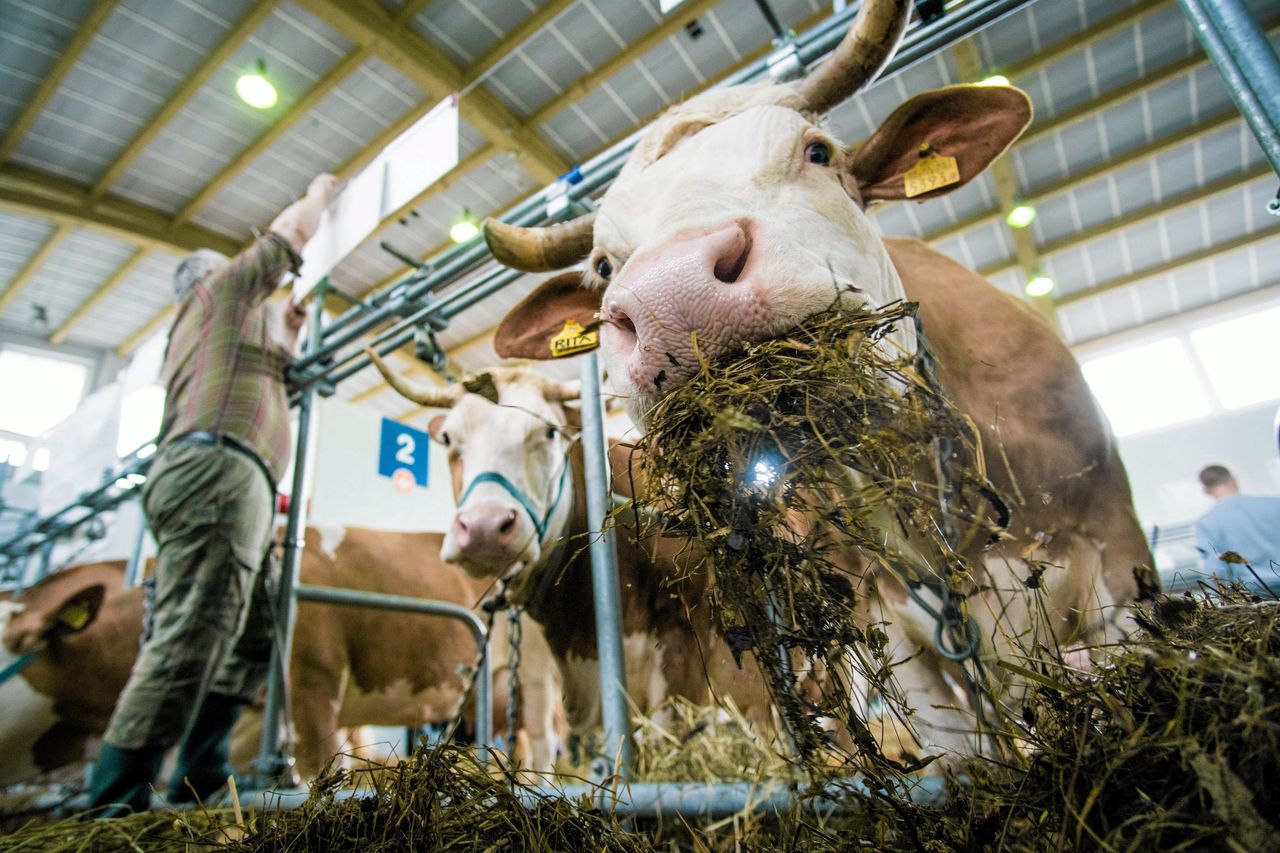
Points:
point(604, 577)
point(133, 571)
point(1248, 65)
point(271, 760)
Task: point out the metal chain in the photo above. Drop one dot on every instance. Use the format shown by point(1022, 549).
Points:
point(515, 636)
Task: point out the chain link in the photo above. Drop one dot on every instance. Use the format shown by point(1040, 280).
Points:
point(515, 636)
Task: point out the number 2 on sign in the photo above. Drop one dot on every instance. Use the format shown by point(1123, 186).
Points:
point(405, 454)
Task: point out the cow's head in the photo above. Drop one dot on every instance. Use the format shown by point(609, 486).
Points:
point(737, 216)
point(32, 628)
point(508, 447)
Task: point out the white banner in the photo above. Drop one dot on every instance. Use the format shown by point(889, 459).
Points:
point(408, 165)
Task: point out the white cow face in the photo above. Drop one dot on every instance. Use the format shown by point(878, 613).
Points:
point(740, 233)
point(502, 523)
point(736, 218)
point(509, 463)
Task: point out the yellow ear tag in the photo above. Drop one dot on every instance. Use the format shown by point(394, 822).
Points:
point(573, 339)
point(74, 616)
point(931, 172)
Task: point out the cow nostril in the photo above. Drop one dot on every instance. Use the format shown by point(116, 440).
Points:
point(729, 266)
point(462, 524)
point(508, 523)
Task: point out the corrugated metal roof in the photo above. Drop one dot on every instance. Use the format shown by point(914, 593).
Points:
point(1140, 87)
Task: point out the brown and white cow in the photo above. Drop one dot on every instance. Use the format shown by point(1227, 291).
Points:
point(350, 666)
point(737, 217)
point(518, 482)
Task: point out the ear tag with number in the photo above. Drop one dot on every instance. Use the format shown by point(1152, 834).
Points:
point(933, 171)
point(573, 339)
point(74, 616)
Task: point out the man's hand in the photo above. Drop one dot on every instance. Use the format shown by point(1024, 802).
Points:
point(298, 222)
point(295, 316)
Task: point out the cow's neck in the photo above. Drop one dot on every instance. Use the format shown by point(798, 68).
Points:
point(557, 592)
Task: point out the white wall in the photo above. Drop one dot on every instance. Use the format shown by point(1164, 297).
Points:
point(347, 488)
point(1163, 463)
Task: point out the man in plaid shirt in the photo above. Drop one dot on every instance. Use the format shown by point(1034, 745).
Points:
point(224, 444)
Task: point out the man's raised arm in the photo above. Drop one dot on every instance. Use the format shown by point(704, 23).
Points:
point(298, 222)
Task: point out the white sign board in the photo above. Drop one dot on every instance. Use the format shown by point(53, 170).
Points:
point(349, 489)
point(408, 165)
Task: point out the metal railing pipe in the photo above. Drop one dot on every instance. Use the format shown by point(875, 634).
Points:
point(271, 762)
point(427, 607)
point(605, 591)
point(1240, 51)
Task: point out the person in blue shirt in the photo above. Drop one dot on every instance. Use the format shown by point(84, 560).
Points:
point(1246, 524)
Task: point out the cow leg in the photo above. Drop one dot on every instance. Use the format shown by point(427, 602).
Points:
point(316, 699)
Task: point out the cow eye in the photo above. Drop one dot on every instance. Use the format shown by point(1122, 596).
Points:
point(552, 432)
point(818, 153)
point(604, 269)
point(444, 439)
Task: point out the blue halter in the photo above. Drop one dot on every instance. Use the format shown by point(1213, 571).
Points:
point(539, 526)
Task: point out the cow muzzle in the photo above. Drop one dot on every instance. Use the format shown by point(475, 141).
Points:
point(692, 298)
point(486, 538)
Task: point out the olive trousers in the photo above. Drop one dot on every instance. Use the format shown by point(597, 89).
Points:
point(209, 624)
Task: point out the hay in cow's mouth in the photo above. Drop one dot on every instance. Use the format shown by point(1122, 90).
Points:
point(784, 459)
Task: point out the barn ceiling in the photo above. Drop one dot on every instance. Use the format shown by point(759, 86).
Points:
point(123, 145)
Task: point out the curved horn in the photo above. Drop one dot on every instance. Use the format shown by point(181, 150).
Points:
point(541, 249)
point(436, 397)
point(859, 57)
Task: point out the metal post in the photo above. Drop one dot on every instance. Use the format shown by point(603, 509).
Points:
point(384, 601)
point(133, 571)
point(1248, 65)
point(615, 708)
point(271, 762)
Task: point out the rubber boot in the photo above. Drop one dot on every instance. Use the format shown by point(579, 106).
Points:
point(121, 780)
point(204, 756)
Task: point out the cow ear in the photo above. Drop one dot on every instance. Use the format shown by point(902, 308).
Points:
point(973, 124)
point(529, 328)
point(73, 615)
point(435, 425)
point(76, 613)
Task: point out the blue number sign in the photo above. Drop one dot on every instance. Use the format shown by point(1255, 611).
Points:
point(402, 448)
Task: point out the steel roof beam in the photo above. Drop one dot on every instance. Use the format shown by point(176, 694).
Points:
point(36, 193)
point(32, 266)
point(1146, 213)
point(193, 83)
point(70, 56)
point(404, 49)
point(675, 21)
point(1207, 254)
point(104, 290)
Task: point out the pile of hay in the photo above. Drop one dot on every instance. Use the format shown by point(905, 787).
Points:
point(785, 461)
point(1175, 744)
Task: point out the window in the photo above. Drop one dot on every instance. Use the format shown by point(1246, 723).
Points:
point(1241, 357)
point(1147, 387)
point(13, 452)
point(42, 390)
point(140, 416)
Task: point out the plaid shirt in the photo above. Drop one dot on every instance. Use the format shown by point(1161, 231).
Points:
point(223, 370)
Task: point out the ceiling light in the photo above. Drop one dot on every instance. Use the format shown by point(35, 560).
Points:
point(1021, 216)
point(665, 6)
point(1039, 285)
point(465, 228)
point(256, 90)
point(994, 80)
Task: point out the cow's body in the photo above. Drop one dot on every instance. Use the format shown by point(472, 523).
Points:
point(738, 217)
point(530, 530)
point(350, 666)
